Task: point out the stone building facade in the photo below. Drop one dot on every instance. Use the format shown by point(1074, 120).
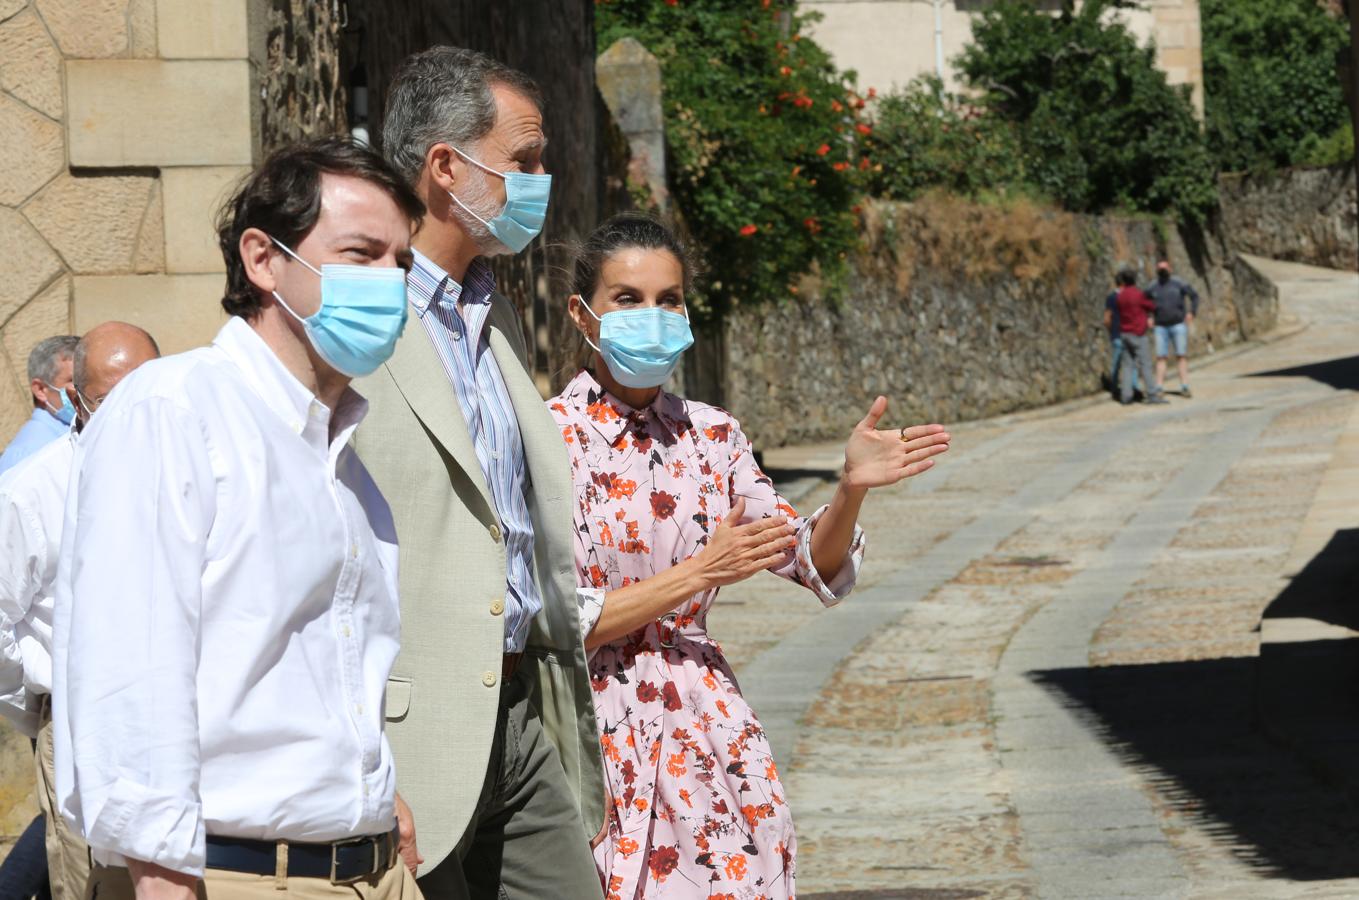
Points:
point(123, 124)
point(889, 42)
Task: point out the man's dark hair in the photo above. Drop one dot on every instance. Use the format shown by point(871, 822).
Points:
point(282, 198)
point(1127, 277)
point(443, 95)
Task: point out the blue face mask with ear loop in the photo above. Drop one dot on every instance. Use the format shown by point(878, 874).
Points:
point(643, 346)
point(362, 313)
point(64, 413)
point(525, 209)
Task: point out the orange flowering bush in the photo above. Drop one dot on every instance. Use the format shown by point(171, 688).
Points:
point(765, 136)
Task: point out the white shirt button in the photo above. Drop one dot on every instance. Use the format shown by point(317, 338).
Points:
point(347, 632)
point(457, 335)
point(488, 679)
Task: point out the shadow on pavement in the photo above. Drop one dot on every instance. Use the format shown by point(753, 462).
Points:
point(1341, 374)
point(1190, 729)
point(1327, 589)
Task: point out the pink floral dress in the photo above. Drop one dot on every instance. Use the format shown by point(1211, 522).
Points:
point(697, 809)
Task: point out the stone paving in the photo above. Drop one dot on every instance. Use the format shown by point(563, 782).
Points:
point(1046, 683)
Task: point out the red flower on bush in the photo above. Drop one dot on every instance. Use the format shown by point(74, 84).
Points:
point(823, 150)
point(662, 504)
point(840, 166)
point(662, 861)
point(748, 230)
point(863, 129)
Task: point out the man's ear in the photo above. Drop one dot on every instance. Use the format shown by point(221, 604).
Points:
point(39, 391)
point(257, 253)
point(443, 167)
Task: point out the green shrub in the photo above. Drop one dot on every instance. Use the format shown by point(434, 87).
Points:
point(762, 133)
point(924, 137)
point(1272, 94)
point(1100, 125)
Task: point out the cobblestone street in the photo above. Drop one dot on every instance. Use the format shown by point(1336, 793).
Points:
point(1053, 679)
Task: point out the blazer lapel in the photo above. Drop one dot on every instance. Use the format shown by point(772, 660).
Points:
point(420, 377)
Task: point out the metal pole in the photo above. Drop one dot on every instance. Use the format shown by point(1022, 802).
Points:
point(939, 38)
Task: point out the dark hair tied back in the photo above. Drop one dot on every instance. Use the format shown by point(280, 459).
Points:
point(625, 231)
point(282, 198)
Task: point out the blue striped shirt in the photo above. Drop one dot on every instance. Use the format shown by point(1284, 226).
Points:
point(454, 317)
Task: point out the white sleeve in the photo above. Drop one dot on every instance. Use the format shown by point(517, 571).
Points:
point(21, 571)
point(143, 510)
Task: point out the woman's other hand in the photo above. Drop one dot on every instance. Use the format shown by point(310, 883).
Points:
point(735, 551)
point(876, 458)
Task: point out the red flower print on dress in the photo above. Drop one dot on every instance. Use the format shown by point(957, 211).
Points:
point(718, 432)
point(602, 411)
point(663, 861)
point(617, 488)
point(672, 697)
point(736, 867)
point(663, 505)
point(647, 693)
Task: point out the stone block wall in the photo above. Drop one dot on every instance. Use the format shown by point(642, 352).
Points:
point(122, 123)
point(1303, 215)
point(956, 311)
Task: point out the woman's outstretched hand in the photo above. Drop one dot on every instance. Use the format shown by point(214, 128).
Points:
point(876, 458)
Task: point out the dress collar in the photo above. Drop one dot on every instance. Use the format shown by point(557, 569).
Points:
point(611, 417)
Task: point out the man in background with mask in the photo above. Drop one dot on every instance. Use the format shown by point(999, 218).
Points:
point(49, 374)
point(226, 614)
point(32, 504)
point(493, 725)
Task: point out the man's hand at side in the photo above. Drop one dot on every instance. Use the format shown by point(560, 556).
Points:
point(405, 827)
point(155, 882)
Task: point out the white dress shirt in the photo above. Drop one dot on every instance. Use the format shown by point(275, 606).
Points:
point(32, 504)
point(226, 615)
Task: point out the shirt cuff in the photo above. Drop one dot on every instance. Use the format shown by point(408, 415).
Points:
point(137, 822)
point(837, 588)
point(591, 604)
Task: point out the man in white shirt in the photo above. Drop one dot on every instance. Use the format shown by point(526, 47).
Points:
point(32, 504)
point(227, 613)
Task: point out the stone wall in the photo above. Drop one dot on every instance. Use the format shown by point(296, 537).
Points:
point(957, 311)
point(1303, 215)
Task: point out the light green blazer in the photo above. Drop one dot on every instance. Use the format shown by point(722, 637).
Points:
point(444, 692)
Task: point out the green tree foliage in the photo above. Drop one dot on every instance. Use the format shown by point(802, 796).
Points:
point(762, 133)
point(1099, 124)
point(924, 137)
point(1271, 90)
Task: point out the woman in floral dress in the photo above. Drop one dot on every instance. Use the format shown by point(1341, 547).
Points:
point(670, 506)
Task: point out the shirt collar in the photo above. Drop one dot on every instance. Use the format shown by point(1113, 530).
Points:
point(427, 283)
point(611, 417)
point(287, 397)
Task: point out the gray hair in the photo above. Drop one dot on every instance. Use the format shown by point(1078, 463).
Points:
point(443, 95)
point(46, 358)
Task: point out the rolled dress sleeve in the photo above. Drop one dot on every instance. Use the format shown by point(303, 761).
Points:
point(745, 479)
point(143, 512)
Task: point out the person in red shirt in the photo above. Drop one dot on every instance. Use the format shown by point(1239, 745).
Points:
point(1134, 311)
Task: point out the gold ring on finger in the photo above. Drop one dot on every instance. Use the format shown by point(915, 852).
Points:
point(903, 432)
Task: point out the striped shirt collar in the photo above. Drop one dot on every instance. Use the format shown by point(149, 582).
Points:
point(427, 283)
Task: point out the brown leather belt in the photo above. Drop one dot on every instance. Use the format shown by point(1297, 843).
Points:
point(510, 665)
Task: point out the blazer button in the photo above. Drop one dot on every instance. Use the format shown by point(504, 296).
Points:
point(488, 679)
point(495, 533)
point(497, 606)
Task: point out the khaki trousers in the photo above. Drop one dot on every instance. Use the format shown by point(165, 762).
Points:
point(397, 883)
point(68, 859)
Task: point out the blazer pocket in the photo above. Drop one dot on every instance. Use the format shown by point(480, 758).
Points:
point(398, 697)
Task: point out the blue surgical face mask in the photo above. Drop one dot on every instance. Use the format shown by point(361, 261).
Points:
point(66, 412)
point(643, 346)
point(525, 206)
point(363, 311)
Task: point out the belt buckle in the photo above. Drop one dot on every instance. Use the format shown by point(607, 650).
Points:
point(667, 619)
point(335, 860)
